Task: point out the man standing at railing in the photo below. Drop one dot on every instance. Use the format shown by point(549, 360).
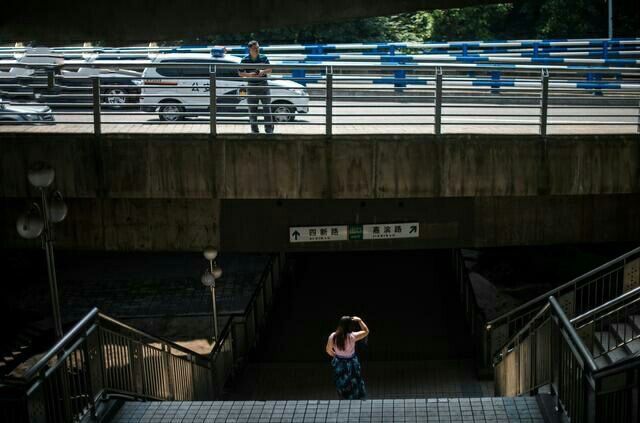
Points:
point(258, 88)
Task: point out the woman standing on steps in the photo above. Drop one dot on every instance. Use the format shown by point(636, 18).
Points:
point(341, 346)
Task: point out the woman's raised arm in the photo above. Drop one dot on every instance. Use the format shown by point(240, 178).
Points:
point(364, 332)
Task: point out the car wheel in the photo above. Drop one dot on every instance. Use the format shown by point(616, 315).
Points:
point(283, 112)
point(115, 97)
point(171, 112)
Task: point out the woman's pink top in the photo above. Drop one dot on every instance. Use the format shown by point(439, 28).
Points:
point(349, 345)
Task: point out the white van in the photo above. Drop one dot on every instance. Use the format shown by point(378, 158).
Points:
point(183, 91)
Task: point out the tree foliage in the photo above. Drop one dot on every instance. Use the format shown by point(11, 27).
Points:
point(523, 19)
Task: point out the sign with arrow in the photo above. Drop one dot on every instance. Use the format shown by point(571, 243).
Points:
point(391, 230)
point(354, 232)
point(318, 233)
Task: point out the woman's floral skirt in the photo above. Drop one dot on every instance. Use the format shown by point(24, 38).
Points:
point(346, 374)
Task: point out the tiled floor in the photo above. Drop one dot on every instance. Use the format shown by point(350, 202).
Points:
point(383, 380)
point(489, 410)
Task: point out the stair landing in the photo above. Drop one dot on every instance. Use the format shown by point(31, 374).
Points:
point(462, 410)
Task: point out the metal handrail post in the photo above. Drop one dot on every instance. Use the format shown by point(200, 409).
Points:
point(213, 112)
point(97, 125)
point(544, 107)
point(329, 102)
point(438, 102)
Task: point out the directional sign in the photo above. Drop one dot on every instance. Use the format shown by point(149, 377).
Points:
point(391, 230)
point(354, 232)
point(318, 233)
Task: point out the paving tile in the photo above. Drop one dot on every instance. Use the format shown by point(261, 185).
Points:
point(491, 410)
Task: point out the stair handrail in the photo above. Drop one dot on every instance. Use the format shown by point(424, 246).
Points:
point(598, 320)
point(60, 345)
point(544, 312)
point(542, 298)
point(576, 342)
point(530, 307)
point(160, 339)
point(559, 357)
point(578, 320)
point(82, 324)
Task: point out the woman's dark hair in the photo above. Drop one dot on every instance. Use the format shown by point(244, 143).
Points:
point(344, 328)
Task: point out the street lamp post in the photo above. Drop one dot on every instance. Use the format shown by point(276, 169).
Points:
point(208, 279)
point(37, 222)
point(610, 7)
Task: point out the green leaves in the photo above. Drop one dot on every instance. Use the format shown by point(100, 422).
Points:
point(524, 19)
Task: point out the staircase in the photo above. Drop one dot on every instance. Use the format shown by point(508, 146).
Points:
point(17, 347)
point(587, 362)
point(620, 341)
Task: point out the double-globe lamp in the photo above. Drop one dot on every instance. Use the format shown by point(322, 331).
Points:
point(208, 279)
point(37, 222)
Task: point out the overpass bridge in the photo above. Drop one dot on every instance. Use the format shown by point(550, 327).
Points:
point(535, 158)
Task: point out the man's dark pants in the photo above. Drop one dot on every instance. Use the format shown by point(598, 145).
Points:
point(260, 94)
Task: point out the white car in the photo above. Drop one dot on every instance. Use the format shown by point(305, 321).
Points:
point(25, 114)
point(183, 91)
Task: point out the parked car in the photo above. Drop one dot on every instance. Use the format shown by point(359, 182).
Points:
point(12, 85)
point(118, 86)
point(30, 79)
point(173, 92)
point(18, 113)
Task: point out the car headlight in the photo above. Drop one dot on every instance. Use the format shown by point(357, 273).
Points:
point(138, 82)
point(32, 117)
point(299, 92)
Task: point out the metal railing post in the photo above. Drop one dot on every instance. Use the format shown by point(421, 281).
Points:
point(639, 116)
point(97, 124)
point(86, 362)
point(329, 103)
point(438, 102)
point(213, 112)
point(544, 107)
point(168, 368)
point(50, 79)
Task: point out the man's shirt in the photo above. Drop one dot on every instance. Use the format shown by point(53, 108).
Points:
point(261, 59)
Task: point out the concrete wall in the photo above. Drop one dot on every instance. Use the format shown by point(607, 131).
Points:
point(121, 21)
point(174, 192)
point(444, 222)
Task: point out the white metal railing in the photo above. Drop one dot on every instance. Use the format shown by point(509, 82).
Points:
point(319, 99)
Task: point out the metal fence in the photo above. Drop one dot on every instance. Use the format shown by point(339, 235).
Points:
point(555, 351)
point(318, 99)
point(101, 357)
point(576, 297)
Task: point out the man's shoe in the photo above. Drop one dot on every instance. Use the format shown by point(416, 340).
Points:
point(268, 130)
point(255, 130)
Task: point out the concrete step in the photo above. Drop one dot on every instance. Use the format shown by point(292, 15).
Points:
point(602, 361)
point(626, 333)
point(607, 341)
point(635, 321)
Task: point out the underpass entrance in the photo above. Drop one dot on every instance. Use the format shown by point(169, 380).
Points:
point(419, 344)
